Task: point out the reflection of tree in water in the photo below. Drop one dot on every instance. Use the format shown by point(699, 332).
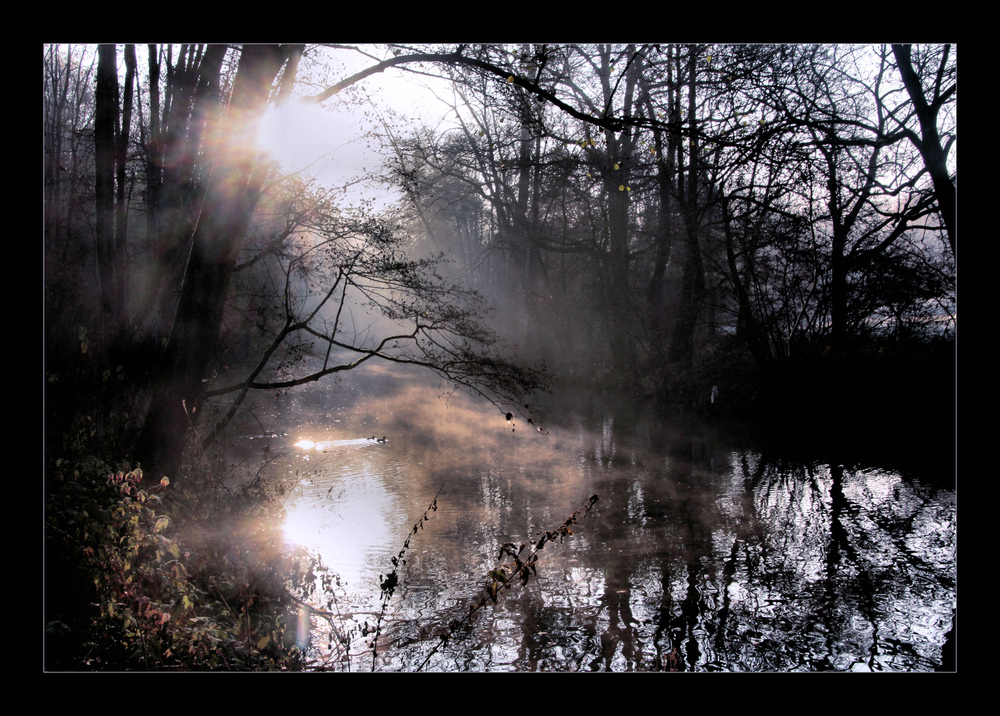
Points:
point(621, 627)
point(824, 570)
point(700, 558)
point(747, 562)
point(649, 519)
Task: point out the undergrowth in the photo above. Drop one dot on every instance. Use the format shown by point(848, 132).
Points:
point(149, 573)
point(141, 575)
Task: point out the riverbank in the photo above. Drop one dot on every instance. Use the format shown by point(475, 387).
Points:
point(889, 405)
point(143, 573)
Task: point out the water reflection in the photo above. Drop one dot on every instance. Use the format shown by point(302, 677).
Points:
point(699, 556)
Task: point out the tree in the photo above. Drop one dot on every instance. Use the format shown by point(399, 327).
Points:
point(350, 294)
point(928, 111)
point(873, 196)
point(232, 189)
point(105, 149)
point(829, 149)
point(589, 160)
point(204, 185)
point(68, 179)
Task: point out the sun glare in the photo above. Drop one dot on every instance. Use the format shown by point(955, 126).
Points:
point(305, 444)
point(297, 135)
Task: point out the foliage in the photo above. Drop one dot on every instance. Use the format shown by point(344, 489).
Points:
point(143, 577)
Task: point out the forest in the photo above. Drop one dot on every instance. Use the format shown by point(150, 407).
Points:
point(741, 232)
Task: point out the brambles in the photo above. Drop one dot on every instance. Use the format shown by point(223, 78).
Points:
point(500, 578)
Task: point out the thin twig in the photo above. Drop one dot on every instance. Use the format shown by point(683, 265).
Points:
point(390, 582)
point(502, 578)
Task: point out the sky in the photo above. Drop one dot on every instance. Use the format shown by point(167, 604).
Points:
point(328, 142)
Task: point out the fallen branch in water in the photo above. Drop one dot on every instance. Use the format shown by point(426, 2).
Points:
point(520, 570)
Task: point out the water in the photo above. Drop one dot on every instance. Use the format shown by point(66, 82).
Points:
point(700, 554)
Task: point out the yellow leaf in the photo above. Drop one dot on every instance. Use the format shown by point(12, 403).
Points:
point(510, 78)
point(621, 187)
point(616, 167)
point(263, 642)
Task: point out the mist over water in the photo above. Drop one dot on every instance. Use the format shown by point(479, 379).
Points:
point(701, 554)
point(461, 208)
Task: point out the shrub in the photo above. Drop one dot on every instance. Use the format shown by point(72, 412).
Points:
point(139, 579)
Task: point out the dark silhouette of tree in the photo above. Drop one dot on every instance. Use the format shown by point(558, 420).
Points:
point(204, 181)
point(632, 178)
point(233, 186)
point(828, 151)
point(106, 130)
point(928, 111)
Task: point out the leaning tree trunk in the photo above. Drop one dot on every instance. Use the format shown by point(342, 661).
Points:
point(231, 195)
point(935, 156)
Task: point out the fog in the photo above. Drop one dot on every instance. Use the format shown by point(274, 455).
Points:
point(514, 276)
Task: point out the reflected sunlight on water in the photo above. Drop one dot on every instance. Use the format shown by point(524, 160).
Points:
point(342, 508)
point(699, 556)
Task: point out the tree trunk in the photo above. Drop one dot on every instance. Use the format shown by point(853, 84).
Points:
point(664, 238)
point(747, 327)
point(665, 146)
point(682, 343)
point(121, 216)
point(934, 155)
point(105, 121)
point(617, 179)
point(838, 259)
point(154, 149)
point(234, 184)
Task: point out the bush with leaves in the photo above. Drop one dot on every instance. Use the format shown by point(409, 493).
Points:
point(139, 578)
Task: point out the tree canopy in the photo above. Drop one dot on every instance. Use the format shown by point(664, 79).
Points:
point(632, 203)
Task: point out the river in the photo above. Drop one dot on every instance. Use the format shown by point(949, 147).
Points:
point(700, 553)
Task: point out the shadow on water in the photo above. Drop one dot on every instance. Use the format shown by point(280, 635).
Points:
point(704, 553)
